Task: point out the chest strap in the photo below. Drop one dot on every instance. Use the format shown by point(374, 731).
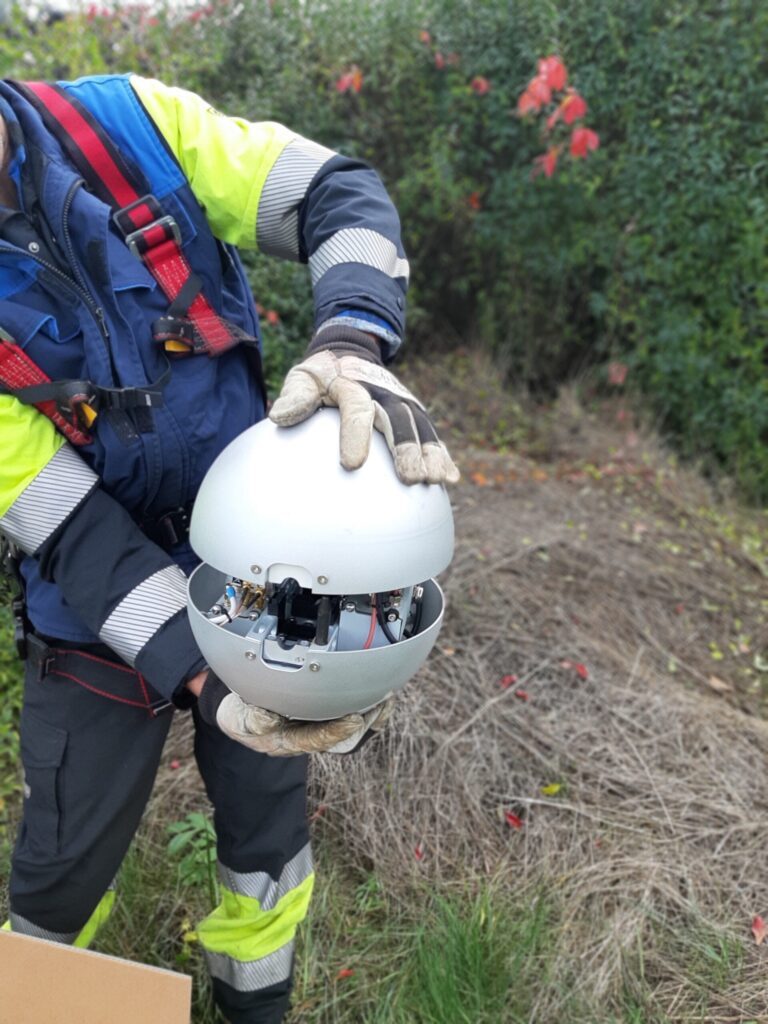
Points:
point(18, 373)
point(72, 405)
point(191, 326)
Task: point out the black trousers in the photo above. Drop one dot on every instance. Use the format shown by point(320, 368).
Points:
point(89, 767)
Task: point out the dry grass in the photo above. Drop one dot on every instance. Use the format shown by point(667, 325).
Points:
point(655, 846)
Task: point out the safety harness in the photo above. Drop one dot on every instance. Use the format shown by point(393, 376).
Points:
point(190, 327)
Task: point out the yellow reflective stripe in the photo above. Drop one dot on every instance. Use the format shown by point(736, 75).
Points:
point(225, 159)
point(28, 441)
point(239, 928)
point(96, 920)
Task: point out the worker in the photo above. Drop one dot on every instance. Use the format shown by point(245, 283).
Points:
point(129, 359)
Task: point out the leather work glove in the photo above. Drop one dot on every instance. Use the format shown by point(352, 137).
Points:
point(273, 734)
point(343, 367)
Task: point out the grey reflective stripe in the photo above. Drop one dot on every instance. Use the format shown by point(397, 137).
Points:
point(21, 926)
point(249, 975)
point(358, 245)
point(143, 611)
point(48, 500)
point(262, 887)
point(277, 220)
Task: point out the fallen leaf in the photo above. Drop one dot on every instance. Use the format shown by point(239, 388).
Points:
point(552, 788)
point(719, 685)
point(506, 681)
point(449, 651)
point(521, 694)
point(512, 820)
point(759, 929)
point(479, 479)
point(175, 763)
point(319, 812)
point(345, 972)
point(581, 670)
point(418, 852)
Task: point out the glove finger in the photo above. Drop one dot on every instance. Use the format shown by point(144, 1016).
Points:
point(378, 717)
point(441, 469)
point(317, 737)
point(439, 465)
point(357, 415)
point(299, 397)
point(395, 419)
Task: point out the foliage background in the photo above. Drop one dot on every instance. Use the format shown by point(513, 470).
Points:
point(653, 250)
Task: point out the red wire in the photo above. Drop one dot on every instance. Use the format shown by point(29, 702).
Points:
point(372, 630)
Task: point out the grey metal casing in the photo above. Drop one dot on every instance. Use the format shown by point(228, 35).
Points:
point(324, 684)
point(277, 503)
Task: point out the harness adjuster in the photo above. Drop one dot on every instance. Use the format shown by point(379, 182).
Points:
point(146, 238)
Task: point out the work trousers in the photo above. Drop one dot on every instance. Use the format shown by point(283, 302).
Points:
point(89, 766)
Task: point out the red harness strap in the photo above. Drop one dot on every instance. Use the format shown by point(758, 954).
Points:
point(18, 371)
point(191, 325)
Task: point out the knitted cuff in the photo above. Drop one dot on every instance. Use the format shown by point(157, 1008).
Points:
point(346, 340)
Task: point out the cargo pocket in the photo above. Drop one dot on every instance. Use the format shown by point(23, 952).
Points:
point(42, 753)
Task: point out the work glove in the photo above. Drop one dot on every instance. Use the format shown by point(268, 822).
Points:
point(343, 367)
point(273, 734)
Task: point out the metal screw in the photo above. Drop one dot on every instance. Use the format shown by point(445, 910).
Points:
point(392, 617)
point(314, 667)
point(251, 655)
point(350, 606)
point(34, 247)
point(255, 569)
point(322, 580)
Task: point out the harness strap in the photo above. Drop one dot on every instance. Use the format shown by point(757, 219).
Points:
point(19, 374)
point(192, 325)
point(99, 675)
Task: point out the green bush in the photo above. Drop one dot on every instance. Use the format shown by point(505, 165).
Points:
point(652, 250)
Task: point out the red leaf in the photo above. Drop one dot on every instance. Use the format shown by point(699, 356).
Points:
point(319, 812)
point(480, 85)
point(352, 79)
point(617, 373)
point(540, 91)
point(527, 104)
point(273, 317)
point(506, 681)
point(344, 82)
point(439, 61)
point(582, 141)
point(521, 694)
point(679, 608)
point(345, 972)
point(547, 162)
point(473, 200)
point(581, 670)
point(553, 71)
point(759, 929)
point(425, 37)
point(512, 820)
point(175, 764)
point(418, 852)
point(574, 107)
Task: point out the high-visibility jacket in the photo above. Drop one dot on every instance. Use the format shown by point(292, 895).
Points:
point(91, 573)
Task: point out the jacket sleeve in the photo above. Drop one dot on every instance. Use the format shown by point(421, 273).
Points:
point(125, 588)
point(263, 185)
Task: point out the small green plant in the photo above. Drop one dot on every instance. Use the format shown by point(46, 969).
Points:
point(195, 838)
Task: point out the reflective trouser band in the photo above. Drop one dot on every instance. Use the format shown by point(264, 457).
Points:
point(81, 939)
point(250, 948)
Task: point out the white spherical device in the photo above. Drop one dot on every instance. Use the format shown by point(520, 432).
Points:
point(315, 597)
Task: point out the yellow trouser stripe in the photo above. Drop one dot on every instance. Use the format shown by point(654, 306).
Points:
point(239, 928)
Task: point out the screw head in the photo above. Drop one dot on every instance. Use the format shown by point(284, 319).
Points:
point(251, 655)
point(255, 569)
point(322, 580)
point(314, 667)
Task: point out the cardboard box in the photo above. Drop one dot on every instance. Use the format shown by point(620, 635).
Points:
point(47, 983)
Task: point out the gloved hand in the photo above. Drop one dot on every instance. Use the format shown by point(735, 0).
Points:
point(270, 733)
point(343, 367)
